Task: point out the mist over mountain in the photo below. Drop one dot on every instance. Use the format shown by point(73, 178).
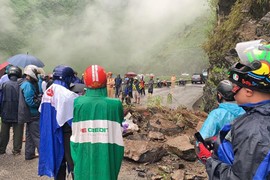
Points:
point(144, 36)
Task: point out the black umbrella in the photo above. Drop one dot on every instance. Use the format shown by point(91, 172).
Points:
point(23, 60)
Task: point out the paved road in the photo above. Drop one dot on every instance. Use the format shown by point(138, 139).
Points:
point(181, 95)
point(16, 168)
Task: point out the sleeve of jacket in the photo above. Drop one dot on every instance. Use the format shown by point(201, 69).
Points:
point(218, 170)
point(121, 112)
point(249, 151)
point(29, 95)
point(209, 127)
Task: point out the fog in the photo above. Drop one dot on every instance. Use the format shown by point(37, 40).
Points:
point(119, 35)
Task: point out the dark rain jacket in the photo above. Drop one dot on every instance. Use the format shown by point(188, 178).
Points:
point(10, 100)
point(118, 81)
point(32, 99)
point(250, 140)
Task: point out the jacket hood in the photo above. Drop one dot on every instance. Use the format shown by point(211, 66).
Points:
point(232, 108)
point(100, 92)
point(262, 107)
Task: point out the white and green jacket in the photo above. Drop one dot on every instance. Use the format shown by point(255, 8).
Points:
point(96, 143)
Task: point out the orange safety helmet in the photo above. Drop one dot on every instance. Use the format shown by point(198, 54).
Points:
point(95, 77)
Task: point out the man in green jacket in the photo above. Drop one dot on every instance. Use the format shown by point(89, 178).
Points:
point(96, 143)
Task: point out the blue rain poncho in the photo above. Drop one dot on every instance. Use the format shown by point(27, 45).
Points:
point(217, 118)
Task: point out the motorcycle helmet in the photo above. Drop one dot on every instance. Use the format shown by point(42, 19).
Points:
point(63, 73)
point(7, 68)
point(253, 70)
point(95, 77)
point(14, 71)
point(224, 89)
point(32, 71)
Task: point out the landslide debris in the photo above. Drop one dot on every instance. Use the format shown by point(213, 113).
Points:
point(159, 142)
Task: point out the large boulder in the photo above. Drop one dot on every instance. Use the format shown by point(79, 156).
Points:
point(163, 125)
point(152, 135)
point(182, 147)
point(143, 151)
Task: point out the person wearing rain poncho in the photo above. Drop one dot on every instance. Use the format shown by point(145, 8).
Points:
point(56, 113)
point(96, 143)
point(226, 112)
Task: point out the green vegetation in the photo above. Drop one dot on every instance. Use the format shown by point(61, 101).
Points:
point(154, 101)
point(31, 17)
point(223, 38)
point(225, 35)
point(183, 50)
point(169, 98)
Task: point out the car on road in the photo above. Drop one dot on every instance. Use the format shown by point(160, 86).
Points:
point(197, 78)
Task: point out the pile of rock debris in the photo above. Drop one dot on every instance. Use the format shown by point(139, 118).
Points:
point(160, 142)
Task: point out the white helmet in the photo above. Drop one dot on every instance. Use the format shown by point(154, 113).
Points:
point(32, 71)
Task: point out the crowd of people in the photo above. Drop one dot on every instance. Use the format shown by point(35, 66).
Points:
point(62, 126)
point(80, 132)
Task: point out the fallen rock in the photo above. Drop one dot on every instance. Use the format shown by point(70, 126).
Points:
point(178, 175)
point(157, 177)
point(182, 147)
point(199, 125)
point(163, 125)
point(143, 151)
point(165, 169)
point(156, 135)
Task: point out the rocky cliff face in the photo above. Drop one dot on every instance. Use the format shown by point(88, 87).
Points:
point(237, 21)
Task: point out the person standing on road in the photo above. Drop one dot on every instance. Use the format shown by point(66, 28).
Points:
point(96, 143)
point(11, 92)
point(173, 80)
point(226, 112)
point(244, 148)
point(137, 91)
point(56, 113)
point(118, 84)
point(142, 86)
point(110, 84)
point(32, 98)
point(151, 85)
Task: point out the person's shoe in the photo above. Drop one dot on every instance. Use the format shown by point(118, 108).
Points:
point(30, 158)
point(16, 153)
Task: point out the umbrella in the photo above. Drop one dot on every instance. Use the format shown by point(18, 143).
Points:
point(131, 74)
point(3, 65)
point(3, 68)
point(23, 60)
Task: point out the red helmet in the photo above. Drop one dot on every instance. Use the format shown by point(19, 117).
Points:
point(95, 77)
